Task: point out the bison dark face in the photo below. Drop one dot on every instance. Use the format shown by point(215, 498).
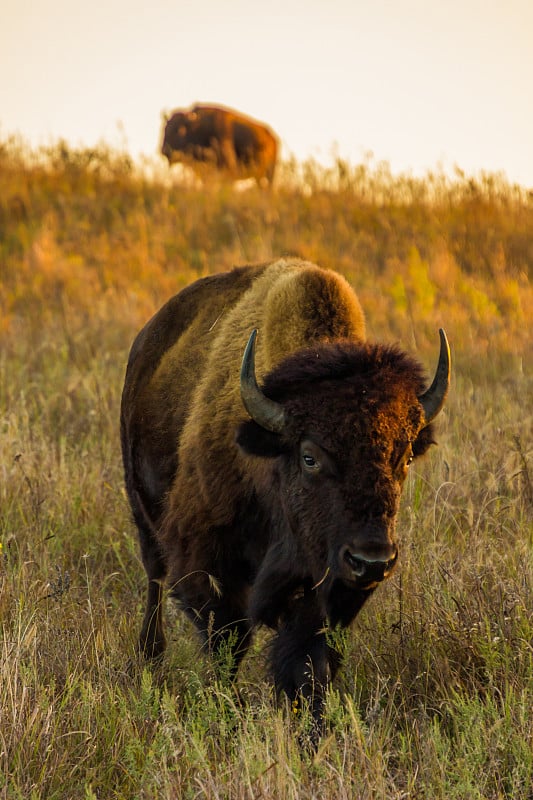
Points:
point(175, 131)
point(344, 423)
point(185, 136)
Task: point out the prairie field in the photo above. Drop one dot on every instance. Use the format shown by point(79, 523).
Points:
point(435, 697)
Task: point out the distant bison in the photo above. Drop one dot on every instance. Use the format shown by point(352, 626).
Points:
point(284, 516)
point(227, 140)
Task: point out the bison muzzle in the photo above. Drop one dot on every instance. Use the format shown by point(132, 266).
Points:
point(270, 499)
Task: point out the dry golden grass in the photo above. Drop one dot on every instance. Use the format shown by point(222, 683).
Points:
point(435, 697)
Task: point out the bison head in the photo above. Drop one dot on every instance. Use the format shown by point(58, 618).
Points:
point(177, 133)
point(343, 422)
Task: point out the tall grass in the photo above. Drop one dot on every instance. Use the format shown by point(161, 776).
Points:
point(435, 696)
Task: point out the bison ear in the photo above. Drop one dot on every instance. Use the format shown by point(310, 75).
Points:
point(257, 441)
point(424, 440)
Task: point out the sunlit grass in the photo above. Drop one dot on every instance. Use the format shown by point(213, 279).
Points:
point(435, 697)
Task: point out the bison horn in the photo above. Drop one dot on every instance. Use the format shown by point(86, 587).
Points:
point(433, 398)
point(265, 412)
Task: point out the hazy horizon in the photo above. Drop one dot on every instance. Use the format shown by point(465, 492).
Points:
point(419, 85)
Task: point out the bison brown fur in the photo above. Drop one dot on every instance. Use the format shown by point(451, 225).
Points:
point(289, 523)
point(222, 138)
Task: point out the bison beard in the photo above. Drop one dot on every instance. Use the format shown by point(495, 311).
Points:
point(285, 518)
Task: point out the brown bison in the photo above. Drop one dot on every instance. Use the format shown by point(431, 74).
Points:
point(227, 140)
point(270, 504)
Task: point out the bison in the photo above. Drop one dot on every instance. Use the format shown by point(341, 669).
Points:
point(270, 499)
point(229, 141)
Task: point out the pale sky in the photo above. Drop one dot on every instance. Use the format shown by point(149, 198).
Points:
point(419, 83)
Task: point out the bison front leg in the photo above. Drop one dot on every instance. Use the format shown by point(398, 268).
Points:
point(301, 658)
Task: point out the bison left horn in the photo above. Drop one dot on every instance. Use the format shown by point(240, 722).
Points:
point(433, 398)
point(265, 412)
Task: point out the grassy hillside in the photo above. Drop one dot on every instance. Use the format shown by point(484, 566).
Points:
point(435, 697)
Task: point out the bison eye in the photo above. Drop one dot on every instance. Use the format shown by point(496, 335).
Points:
point(406, 458)
point(314, 460)
point(311, 457)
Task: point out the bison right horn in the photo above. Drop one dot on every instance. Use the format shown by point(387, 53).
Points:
point(267, 413)
point(433, 398)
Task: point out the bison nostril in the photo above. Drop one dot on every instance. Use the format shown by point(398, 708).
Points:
point(390, 563)
point(371, 569)
point(356, 564)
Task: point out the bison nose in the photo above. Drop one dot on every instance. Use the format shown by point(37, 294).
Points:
point(368, 568)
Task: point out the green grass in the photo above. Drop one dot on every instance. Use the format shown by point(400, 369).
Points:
point(434, 700)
